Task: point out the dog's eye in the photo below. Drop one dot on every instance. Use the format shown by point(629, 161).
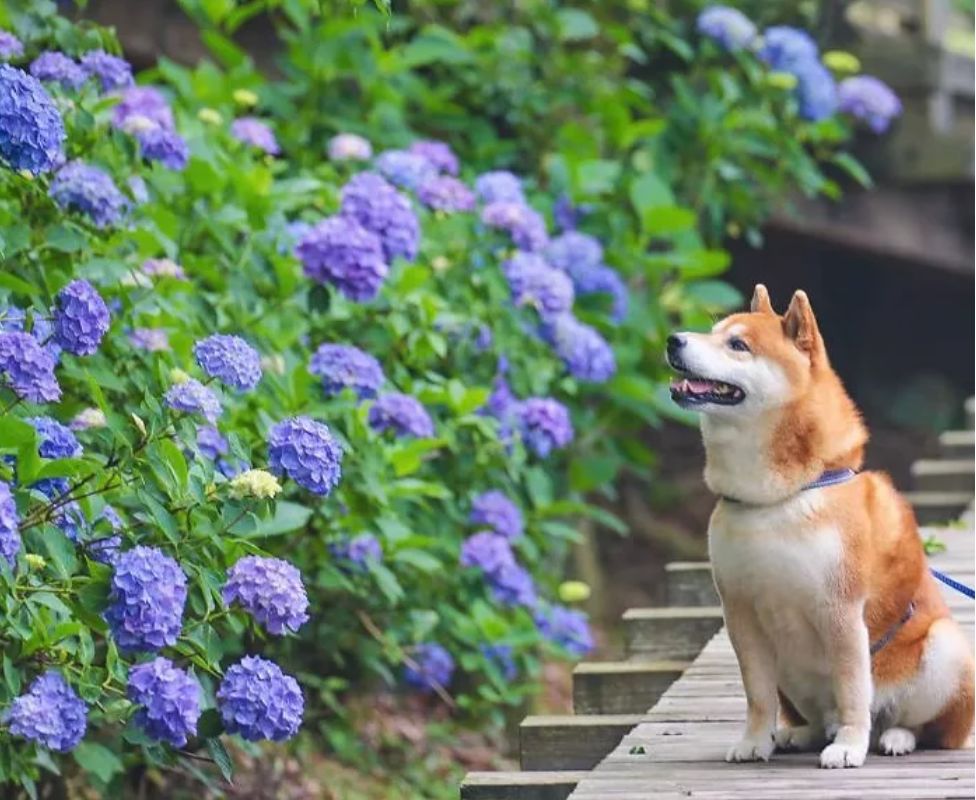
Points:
point(737, 344)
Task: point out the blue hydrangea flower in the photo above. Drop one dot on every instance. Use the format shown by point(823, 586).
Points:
point(211, 442)
point(444, 193)
point(357, 551)
point(816, 91)
point(81, 318)
point(499, 187)
point(586, 354)
point(143, 102)
point(868, 99)
point(152, 340)
point(254, 132)
point(567, 215)
point(293, 233)
point(544, 424)
point(28, 368)
point(787, 49)
point(9, 525)
point(43, 331)
point(729, 27)
point(406, 170)
point(169, 701)
point(192, 397)
point(376, 205)
point(111, 71)
point(138, 189)
point(432, 666)
point(525, 225)
point(105, 549)
point(81, 187)
point(49, 713)
point(401, 413)
point(342, 366)
point(259, 701)
point(229, 359)
point(533, 282)
point(438, 154)
point(306, 452)
point(54, 67)
point(148, 593)
point(495, 510)
point(343, 253)
point(574, 251)
point(270, 590)
point(487, 551)
point(349, 147)
point(31, 130)
point(512, 585)
point(604, 280)
point(500, 655)
point(55, 440)
point(566, 628)
point(165, 146)
point(10, 46)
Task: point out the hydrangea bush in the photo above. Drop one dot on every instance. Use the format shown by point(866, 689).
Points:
point(291, 411)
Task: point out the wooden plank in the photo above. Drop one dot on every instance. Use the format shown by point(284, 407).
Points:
point(957, 444)
point(622, 687)
point(938, 506)
point(932, 475)
point(570, 742)
point(677, 634)
point(689, 583)
point(519, 785)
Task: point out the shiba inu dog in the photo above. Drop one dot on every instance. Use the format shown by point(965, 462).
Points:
point(841, 635)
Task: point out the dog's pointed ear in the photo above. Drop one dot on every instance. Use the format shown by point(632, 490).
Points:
point(800, 324)
point(760, 301)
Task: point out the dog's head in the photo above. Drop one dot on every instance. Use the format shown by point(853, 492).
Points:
point(749, 362)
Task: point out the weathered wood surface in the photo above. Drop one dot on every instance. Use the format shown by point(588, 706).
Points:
point(689, 583)
point(957, 444)
point(676, 634)
point(519, 785)
point(944, 475)
point(622, 687)
point(678, 749)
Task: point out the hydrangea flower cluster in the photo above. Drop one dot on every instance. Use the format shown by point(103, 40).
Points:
point(581, 257)
point(55, 439)
point(165, 146)
point(49, 713)
point(729, 27)
point(31, 129)
point(306, 452)
point(256, 483)
point(512, 585)
point(787, 49)
point(357, 551)
point(533, 282)
point(54, 67)
point(586, 354)
point(499, 186)
point(9, 525)
point(88, 418)
point(169, 701)
point(509, 582)
point(544, 424)
point(192, 397)
point(401, 413)
point(142, 103)
point(110, 71)
point(148, 593)
point(259, 701)
point(81, 187)
point(432, 666)
point(524, 224)
point(270, 590)
point(162, 268)
point(342, 366)
point(28, 368)
point(868, 99)
point(211, 442)
point(230, 360)
point(816, 91)
point(566, 628)
point(495, 510)
point(81, 318)
point(254, 132)
point(501, 656)
point(446, 193)
point(404, 169)
point(340, 251)
point(349, 147)
point(152, 340)
point(10, 46)
point(438, 154)
point(375, 204)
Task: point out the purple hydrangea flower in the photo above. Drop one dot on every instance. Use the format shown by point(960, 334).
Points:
point(401, 413)
point(10, 46)
point(54, 67)
point(81, 318)
point(544, 424)
point(31, 130)
point(148, 593)
point(787, 49)
point(229, 359)
point(50, 714)
point(9, 525)
point(566, 628)
point(259, 701)
point(165, 146)
point(586, 354)
point(254, 132)
point(729, 27)
point(43, 331)
point(533, 282)
point(55, 440)
point(406, 170)
point(162, 268)
point(169, 700)
point(499, 187)
point(512, 585)
point(370, 200)
point(111, 71)
point(357, 551)
point(306, 452)
point(433, 666)
point(152, 340)
point(484, 338)
point(28, 367)
point(567, 215)
point(192, 397)
point(211, 442)
point(138, 189)
point(438, 154)
point(444, 193)
point(81, 187)
point(604, 280)
point(144, 102)
point(349, 147)
point(270, 590)
point(525, 225)
point(342, 252)
point(574, 251)
point(500, 655)
point(495, 510)
point(105, 549)
point(487, 551)
point(868, 99)
point(816, 91)
point(342, 366)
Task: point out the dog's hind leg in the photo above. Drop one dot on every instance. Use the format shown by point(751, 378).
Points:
point(953, 728)
point(794, 732)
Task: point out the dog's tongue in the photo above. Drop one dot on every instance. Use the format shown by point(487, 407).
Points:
point(698, 387)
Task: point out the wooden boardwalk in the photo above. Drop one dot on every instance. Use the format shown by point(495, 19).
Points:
point(678, 750)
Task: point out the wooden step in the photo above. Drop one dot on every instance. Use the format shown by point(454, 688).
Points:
point(931, 507)
point(674, 634)
point(689, 583)
point(571, 742)
point(957, 444)
point(519, 785)
point(932, 475)
point(622, 687)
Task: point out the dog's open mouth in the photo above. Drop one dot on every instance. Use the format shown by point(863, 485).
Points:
point(693, 390)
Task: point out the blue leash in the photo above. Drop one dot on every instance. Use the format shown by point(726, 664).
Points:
point(954, 584)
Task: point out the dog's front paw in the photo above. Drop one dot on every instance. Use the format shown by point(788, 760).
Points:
point(896, 742)
point(798, 738)
point(838, 755)
point(751, 748)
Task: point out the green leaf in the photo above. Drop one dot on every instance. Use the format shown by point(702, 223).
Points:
point(64, 238)
point(98, 760)
point(210, 725)
point(221, 758)
point(425, 562)
point(854, 168)
point(287, 517)
point(663, 220)
point(435, 44)
point(576, 25)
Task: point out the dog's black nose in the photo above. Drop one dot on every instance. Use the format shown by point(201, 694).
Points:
point(675, 342)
